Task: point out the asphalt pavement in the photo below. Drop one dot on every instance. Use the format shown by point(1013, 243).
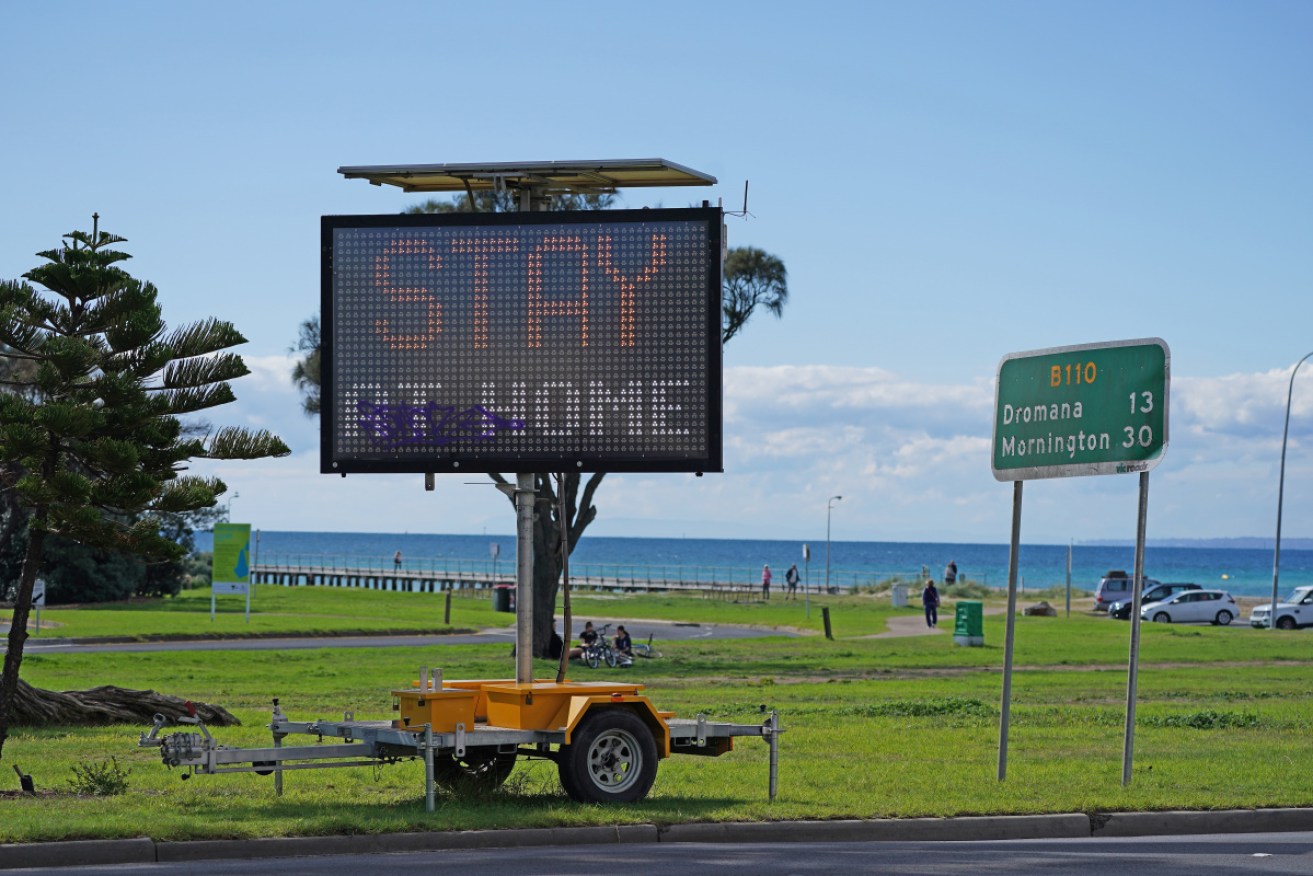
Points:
point(639, 629)
point(143, 850)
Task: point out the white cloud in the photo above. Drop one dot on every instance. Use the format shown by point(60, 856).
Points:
point(911, 460)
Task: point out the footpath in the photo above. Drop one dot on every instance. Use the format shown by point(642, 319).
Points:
point(1076, 825)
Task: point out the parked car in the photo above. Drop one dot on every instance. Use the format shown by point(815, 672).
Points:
point(1296, 611)
point(1114, 587)
point(1157, 593)
point(1193, 606)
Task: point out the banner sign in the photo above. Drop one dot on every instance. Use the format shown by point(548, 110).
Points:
point(231, 564)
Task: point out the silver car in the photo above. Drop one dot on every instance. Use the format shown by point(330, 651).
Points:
point(1193, 606)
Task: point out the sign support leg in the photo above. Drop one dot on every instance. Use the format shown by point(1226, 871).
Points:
point(1133, 669)
point(524, 501)
point(428, 769)
point(1005, 709)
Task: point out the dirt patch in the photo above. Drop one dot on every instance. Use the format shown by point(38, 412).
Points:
point(914, 624)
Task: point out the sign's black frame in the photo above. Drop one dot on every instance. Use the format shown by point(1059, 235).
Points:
point(440, 461)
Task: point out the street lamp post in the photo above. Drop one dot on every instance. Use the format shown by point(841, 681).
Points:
point(828, 507)
point(1281, 489)
point(230, 505)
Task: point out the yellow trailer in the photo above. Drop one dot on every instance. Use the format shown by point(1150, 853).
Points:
point(606, 738)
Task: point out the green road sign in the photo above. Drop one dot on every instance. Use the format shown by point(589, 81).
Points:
point(1083, 410)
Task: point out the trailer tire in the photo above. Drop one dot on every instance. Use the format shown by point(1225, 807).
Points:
point(612, 758)
point(480, 771)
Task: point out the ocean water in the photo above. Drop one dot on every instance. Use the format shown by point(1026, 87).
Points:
point(1245, 571)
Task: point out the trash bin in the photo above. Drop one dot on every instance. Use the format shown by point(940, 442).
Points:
point(899, 595)
point(503, 597)
point(968, 626)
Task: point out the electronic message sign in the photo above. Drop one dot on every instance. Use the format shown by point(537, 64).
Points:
point(1082, 410)
point(549, 341)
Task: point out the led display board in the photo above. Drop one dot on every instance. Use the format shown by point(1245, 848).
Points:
point(548, 341)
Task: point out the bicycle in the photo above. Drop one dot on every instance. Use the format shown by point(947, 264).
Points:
point(600, 651)
point(645, 649)
point(641, 649)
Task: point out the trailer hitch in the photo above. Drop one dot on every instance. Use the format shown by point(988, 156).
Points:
point(180, 749)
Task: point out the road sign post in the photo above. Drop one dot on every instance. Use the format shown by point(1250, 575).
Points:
point(806, 578)
point(1074, 411)
point(39, 600)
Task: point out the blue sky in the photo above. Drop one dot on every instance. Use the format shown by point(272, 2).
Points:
point(948, 182)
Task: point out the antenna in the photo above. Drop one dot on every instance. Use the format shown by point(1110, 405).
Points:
point(744, 212)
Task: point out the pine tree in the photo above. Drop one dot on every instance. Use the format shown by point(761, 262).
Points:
point(99, 449)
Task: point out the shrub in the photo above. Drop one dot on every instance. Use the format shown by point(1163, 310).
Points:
point(99, 778)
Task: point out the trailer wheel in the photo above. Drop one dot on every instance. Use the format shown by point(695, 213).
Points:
point(613, 759)
point(479, 771)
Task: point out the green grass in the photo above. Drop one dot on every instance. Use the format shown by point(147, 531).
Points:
point(274, 611)
point(897, 727)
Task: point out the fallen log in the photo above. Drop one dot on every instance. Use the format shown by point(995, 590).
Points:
point(107, 704)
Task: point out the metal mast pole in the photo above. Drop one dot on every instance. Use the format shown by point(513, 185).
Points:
point(525, 495)
point(524, 501)
point(1281, 490)
point(829, 506)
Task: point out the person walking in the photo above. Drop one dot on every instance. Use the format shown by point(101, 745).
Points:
point(765, 582)
point(930, 602)
point(396, 561)
point(791, 578)
point(950, 573)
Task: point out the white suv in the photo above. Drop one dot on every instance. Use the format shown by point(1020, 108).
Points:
point(1296, 611)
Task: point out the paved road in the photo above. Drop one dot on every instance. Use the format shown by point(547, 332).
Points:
point(1185, 855)
point(666, 631)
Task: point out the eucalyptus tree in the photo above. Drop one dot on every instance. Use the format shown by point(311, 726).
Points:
point(305, 374)
point(753, 278)
point(98, 454)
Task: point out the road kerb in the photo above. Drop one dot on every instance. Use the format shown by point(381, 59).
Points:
point(361, 844)
point(989, 827)
point(1117, 824)
point(77, 853)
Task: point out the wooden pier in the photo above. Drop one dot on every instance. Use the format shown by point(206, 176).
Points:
point(405, 580)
